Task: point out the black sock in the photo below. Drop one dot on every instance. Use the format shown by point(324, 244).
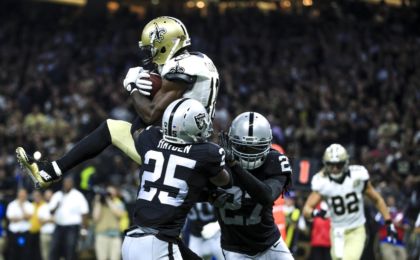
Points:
point(87, 148)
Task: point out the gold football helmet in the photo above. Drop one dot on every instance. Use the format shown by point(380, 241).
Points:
point(336, 161)
point(161, 38)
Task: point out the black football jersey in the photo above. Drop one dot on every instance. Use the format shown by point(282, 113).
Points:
point(247, 226)
point(200, 215)
point(171, 179)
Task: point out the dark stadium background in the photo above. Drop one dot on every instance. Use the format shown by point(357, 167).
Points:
point(322, 71)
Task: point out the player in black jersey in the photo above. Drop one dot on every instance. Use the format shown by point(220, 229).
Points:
point(260, 175)
point(177, 164)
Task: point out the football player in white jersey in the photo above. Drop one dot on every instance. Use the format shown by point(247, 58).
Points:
point(342, 186)
point(163, 48)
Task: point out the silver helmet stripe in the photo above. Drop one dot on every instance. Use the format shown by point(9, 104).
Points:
point(251, 124)
point(171, 117)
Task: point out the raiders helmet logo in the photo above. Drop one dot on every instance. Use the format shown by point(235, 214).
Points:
point(199, 120)
point(157, 34)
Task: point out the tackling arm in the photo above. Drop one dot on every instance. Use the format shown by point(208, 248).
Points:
point(265, 192)
point(310, 204)
point(151, 110)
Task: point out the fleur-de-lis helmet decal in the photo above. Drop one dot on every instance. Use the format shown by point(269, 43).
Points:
point(162, 37)
point(157, 34)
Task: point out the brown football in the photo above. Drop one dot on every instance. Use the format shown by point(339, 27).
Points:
point(156, 80)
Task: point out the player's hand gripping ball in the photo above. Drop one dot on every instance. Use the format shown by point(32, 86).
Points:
point(156, 80)
point(142, 81)
point(148, 83)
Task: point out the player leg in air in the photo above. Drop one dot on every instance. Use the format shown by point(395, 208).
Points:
point(163, 46)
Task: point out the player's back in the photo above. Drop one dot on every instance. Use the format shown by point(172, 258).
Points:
point(199, 70)
point(172, 178)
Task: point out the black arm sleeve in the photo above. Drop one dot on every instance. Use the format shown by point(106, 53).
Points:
point(205, 195)
point(265, 192)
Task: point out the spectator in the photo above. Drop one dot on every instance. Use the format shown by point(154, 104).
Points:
point(417, 234)
point(70, 210)
point(2, 232)
point(108, 210)
point(320, 236)
point(18, 213)
point(293, 215)
point(393, 251)
point(47, 225)
point(34, 230)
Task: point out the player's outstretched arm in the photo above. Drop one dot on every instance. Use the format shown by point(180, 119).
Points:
point(264, 192)
point(151, 110)
point(310, 204)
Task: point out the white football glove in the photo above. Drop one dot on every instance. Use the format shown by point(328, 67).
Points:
point(131, 77)
point(135, 81)
point(210, 230)
point(144, 86)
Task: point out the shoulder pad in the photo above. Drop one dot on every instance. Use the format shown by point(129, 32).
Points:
point(318, 181)
point(190, 65)
point(277, 162)
point(150, 131)
point(216, 152)
point(359, 172)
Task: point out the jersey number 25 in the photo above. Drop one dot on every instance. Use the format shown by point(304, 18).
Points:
point(170, 182)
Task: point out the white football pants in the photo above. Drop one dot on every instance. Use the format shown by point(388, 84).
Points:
point(206, 247)
point(278, 251)
point(149, 248)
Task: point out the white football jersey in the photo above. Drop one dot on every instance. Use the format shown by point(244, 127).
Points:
point(345, 200)
point(199, 66)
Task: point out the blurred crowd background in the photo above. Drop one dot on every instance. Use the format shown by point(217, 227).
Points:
point(341, 71)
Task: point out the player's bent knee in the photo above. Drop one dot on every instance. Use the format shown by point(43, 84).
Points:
point(121, 138)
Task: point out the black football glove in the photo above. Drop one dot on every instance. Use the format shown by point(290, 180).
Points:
point(391, 232)
point(219, 197)
point(319, 213)
point(224, 142)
